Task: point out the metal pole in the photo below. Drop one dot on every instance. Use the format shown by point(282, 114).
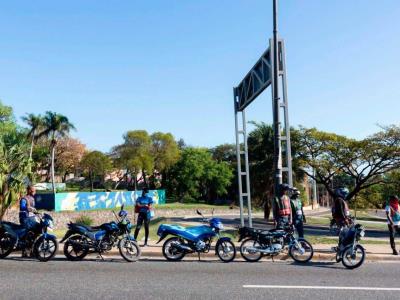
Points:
point(276, 103)
point(315, 200)
point(246, 159)
point(238, 161)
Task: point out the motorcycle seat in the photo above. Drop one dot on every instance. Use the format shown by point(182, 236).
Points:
point(87, 227)
point(14, 226)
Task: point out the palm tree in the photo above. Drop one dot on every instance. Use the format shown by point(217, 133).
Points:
point(55, 126)
point(35, 123)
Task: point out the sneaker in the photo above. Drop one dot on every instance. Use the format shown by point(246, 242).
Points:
point(145, 245)
point(395, 252)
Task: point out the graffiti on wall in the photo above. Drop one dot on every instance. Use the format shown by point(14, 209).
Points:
point(100, 200)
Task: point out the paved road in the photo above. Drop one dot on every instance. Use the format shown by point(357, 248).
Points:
point(158, 279)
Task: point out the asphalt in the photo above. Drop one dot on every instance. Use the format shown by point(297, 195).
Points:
point(158, 279)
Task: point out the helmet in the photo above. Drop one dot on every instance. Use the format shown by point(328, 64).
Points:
point(342, 192)
point(284, 187)
point(394, 198)
point(295, 192)
point(123, 213)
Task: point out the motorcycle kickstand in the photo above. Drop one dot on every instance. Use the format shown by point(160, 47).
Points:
point(198, 253)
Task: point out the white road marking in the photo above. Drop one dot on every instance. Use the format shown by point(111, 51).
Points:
point(316, 287)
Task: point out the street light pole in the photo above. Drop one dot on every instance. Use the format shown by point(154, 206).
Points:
point(276, 103)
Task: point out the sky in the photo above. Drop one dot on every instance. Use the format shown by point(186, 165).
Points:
point(170, 66)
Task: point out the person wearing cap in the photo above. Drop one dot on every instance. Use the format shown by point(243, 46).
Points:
point(282, 208)
point(298, 214)
point(393, 218)
point(143, 205)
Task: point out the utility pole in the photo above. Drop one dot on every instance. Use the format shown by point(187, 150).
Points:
point(276, 104)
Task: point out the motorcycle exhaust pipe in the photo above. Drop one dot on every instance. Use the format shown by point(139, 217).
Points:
point(263, 251)
point(184, 248)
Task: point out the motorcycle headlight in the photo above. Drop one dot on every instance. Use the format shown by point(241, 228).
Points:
point(50, 224)
point(220, 226)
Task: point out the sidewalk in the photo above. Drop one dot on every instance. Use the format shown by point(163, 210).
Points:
point(322, 252)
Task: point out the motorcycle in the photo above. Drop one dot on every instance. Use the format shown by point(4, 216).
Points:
point(349, 251)
point(80, 239)
point(257, 243)
point(35, 239)
point(196, 239)
point(335, 228)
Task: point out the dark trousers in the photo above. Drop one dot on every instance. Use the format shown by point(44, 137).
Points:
point(282, 222)
point(299, 228)
point(392, 231)
point(143, 218)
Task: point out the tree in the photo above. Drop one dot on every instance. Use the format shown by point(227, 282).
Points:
point(165, 152)
point(364, 161)
point(134, 155)
point(96, 164)
point(14, 160)
point(55, 126)
point(35, 123)
point(69, 153)
point(197, 175)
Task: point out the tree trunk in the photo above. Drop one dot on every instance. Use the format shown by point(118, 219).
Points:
point(91, 181)
point(32, 142)
point(52, 168)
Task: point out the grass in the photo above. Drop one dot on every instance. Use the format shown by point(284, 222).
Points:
point(325, 222)
point(313, 239)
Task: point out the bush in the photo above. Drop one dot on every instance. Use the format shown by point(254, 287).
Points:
point(85, 220)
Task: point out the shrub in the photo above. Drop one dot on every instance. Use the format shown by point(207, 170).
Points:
point(85, 220)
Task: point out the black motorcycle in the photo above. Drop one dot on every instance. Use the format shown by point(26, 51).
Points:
point(349, 251)
point(34, 240)
point(258, 243)
point(80, 240)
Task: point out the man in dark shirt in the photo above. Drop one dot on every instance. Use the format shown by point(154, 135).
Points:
point(144, 204)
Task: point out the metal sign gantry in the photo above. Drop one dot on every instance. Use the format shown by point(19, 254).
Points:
point(270, 69)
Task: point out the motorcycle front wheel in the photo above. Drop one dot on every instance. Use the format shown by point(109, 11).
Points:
point(45, 248)
point(226, 251)
point(301, 252)
point(353, 259)
point(129, 250)
point(74, 249)
point(248, 250)
point(7, 243)
point(171, 252)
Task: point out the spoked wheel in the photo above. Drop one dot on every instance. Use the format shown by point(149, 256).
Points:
point(45, 248)
point(171, 252)
point(302, 251)
point(353, 259)
point(129, 249)
point(226, 251)
point(74, 249)
point(7, 243)
point(248, 250)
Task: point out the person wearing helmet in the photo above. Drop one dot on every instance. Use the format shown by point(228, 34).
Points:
point(282, 208)
point(340, 211)
point(143, 205)
point(298, 213)
point(393, 217)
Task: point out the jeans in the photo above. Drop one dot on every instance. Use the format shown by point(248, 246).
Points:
point(392, 231)
point(282, 222)
point(143, 217)
point(300, 228)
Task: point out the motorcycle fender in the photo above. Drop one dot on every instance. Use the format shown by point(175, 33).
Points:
point(67, 235)
point(48, 235)
point(221, 240)
point(163, 236)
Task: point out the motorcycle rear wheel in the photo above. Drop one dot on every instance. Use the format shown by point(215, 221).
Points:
point(72, 250)
point(250, 255)
point(170, 252)
point(129, 250)
point(44, 249)
point(7, 243)
point(349, 257)
point(301, 255)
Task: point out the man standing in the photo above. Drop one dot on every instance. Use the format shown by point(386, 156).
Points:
point(340, 209)
point(393, 217)
point(143, 205)
point(27, 208)
point(282, 207)
point(298, 213)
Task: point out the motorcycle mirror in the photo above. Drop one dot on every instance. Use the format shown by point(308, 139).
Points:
point(122, 207)
point(198, 212)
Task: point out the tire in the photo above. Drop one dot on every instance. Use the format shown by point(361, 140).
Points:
point(44, 249)
point(307, 251)
point(170, 253)
point(347, 254)
point(129, 250)
point(250, 256)
point(74, 251)
point(7, 243)
point(222, 249)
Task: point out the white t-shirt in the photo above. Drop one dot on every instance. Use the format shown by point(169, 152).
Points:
point(388, 210)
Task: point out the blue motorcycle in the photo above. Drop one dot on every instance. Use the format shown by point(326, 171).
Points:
point(34, 240)
point(196, 239)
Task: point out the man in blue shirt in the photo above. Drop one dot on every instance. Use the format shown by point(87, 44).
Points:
point(27, 212)
point(144, 204)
